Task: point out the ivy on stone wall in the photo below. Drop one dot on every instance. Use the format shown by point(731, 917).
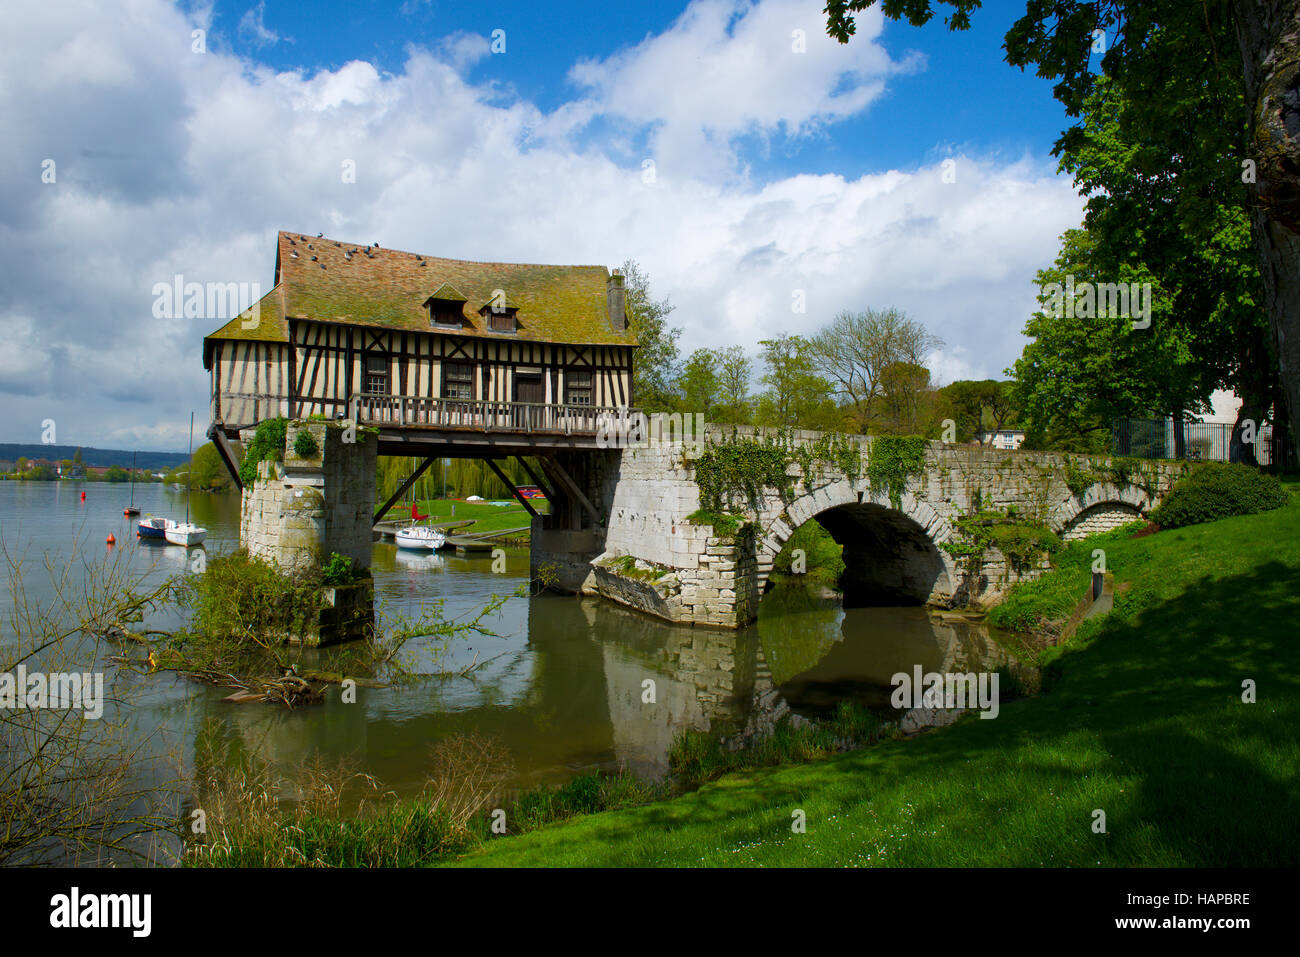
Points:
point(1022, 543)
point(735, 472)
point(1120, 470)
point(267, 445)
point(892, 460)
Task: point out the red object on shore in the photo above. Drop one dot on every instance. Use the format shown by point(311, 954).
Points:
point(415, 513)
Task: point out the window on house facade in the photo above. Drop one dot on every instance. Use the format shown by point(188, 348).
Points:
point(446, 314)
point(501, 321)
point(377, 375)
point(457, 380)
point(577, 387)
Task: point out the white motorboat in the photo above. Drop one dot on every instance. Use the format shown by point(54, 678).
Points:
point(184, 533)
point(420, 537)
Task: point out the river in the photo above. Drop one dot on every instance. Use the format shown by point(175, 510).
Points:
point(561, 683)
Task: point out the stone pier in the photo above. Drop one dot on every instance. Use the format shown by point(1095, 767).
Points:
point(304, 508)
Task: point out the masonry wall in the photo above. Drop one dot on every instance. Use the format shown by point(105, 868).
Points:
point(687, 573)
point(302, 509)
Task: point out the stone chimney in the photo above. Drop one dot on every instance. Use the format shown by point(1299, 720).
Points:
point(614, 296)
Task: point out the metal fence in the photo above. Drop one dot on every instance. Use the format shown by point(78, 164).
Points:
point(1202, 441)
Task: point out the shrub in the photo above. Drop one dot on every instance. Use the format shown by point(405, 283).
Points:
point(338, 570)
point(267, 443)
point(305, 445)
point(1214, 490)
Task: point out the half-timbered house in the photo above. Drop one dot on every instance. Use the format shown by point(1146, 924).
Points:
point(409, 340)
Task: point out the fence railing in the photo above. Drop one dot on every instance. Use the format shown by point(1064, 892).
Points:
point(480, 414)
point(1202, 441)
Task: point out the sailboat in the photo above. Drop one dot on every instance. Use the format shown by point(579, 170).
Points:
point(131, 509)
point(187, 533)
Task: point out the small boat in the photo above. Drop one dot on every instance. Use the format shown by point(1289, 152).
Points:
point(184, 533)
point(132, 509)
point(420, 537)
point(153, 527)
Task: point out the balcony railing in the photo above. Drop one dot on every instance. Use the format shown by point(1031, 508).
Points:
point(480, 414)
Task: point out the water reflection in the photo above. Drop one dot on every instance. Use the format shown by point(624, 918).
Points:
point(561, 681)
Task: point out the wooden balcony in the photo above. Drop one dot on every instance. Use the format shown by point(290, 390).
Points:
point(403, 411)
point(413, 425)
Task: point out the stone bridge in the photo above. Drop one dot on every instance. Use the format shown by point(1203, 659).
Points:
point(647, 553)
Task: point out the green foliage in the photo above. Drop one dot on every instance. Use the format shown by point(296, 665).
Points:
point(725, 525)
point(1078, 477)
point(824, 556)
point(338, 570)
point(1022, 543)
point(892, 460)
point(1214, 490)
point(305, 445)
point(267, 444)
point(735, 472)
point(697, 757)
point(242, 600)
point(657, 356)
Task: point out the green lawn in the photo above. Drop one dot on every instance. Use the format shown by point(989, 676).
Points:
point(1142, 718)
point(487, 518)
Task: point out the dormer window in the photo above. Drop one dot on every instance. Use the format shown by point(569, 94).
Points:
point(499, 313)
point(446, 307)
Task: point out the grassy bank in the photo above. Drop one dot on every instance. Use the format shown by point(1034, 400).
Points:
point(1143, 719)
point(487, 518)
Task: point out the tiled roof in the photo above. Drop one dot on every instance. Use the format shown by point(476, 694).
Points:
point(329, 281)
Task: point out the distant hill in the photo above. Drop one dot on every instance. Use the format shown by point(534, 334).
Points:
point(100, 458)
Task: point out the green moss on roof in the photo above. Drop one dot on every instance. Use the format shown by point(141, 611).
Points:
point(447, 293)
point(350, 283)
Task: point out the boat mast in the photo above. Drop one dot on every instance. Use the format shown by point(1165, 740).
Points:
point(189, 472)
point(133, 478)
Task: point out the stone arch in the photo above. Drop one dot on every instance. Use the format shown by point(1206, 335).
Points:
point(891, 552)
point(1101, 506)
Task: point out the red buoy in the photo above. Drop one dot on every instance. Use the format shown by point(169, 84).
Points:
point(83, 496)
point(111, 540)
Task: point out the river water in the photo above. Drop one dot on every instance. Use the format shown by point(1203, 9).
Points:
point(561, 683)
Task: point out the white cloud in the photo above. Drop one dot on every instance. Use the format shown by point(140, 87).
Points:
point(253, 30)
point(172, 162)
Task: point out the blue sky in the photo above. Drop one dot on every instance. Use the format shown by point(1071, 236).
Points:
point(740, 169)
point(965, 94)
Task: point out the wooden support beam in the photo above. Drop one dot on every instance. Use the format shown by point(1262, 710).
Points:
point(383, 509)
point(226, 453)
point(571, 487)
point(550, 497)
point(511, 486)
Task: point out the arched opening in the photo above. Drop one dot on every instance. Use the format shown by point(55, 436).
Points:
point(888, 557)
point(1101, 517)
point(885, 558)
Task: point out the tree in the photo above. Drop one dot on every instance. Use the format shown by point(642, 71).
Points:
point(978, 406)
point(795, 395)
point(1081, 370)
point(905, 388)
point(207, 471)
point(655, 363)
point(1060, 39)
point(734, 373)
point(854, 350)
point(698, 384)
